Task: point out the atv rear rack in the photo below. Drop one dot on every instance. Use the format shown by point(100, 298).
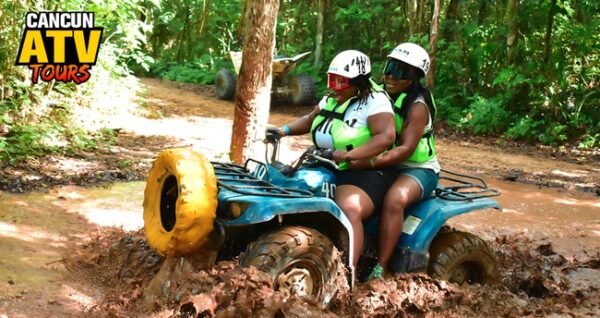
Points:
point(464, 190)
point(238, 179)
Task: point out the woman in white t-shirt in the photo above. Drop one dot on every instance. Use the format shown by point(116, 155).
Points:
point(357, 121)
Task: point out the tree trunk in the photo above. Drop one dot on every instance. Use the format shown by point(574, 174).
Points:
point(578, 12)
point(241, 31)
point(500, 11)
point(511, 39)
point(451, 24)
point(482, 11)
point(204, 16)
point(320, 31)
point(422, 17)
point(548, 37)
point(412, 16)
point(253, 94)
point(182, 35)
point(435, 21)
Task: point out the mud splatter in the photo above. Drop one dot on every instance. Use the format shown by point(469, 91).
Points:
point(535, 281)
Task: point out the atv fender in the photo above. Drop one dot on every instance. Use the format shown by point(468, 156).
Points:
point(423, 221)
point(318, 210)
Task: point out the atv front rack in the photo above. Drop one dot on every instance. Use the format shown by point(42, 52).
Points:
point(238, 179)
point(463, 190)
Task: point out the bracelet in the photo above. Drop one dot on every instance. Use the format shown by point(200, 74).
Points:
point(372, 162)
point(286, 129)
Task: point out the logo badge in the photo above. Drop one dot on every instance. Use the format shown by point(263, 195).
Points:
point(61, 46)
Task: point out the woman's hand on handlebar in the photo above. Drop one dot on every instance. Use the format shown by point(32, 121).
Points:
point(357, 164)
point(361, 164)
point(273, 134)
point(341, 156)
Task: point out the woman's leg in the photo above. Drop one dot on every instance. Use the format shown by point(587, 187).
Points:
point(357, 206)
point(404, 192)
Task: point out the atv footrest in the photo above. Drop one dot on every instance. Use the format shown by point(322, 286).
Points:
point(238, 179)
point(465, 189)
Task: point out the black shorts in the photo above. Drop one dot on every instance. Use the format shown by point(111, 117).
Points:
point(375, 182)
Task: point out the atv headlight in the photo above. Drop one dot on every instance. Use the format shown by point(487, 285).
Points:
point(236, 209)
point(231, 210)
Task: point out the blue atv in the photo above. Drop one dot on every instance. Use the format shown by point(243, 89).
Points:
point(282, 219)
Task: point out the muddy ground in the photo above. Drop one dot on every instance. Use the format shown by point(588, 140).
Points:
point(64, 255)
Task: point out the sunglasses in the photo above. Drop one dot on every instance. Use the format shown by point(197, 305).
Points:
point(395, 69)
point(337, 82)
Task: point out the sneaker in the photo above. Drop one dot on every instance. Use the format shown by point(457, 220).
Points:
point(376, 273)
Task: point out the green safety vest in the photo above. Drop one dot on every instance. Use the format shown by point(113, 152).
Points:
point(344, 136)
point(426, 147)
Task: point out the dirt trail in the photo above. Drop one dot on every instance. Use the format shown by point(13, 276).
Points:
point(175, 114)
point(572, 171)
point(64, 257)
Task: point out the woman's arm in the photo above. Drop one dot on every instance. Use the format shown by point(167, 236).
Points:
point(301, 125)
point(418, 116)
point(382, 128)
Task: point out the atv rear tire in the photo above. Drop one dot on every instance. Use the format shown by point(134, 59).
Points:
point(302, 90)
point(301, 261)
point(460, 257)
point(225, 84)
point(180, 202)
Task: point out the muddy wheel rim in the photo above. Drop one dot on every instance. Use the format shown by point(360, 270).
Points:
point(299, 279)
point(467, 272)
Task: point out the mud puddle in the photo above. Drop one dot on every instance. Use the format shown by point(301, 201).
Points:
point(66, 255)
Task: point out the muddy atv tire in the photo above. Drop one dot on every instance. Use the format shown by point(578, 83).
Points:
point(302, 90)
point(225, 84)
point(300, 260)
point(460, 257)
point(180, 202)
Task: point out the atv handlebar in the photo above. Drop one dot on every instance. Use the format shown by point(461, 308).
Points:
point(312, 154)
point(272, 137)
point(322, 155)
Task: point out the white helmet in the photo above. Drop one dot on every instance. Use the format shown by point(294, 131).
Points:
point(411, 54)
point(350, 64)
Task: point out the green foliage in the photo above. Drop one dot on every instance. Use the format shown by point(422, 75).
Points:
point(486, 115)
point(201, 71)
point(551, 98)
point(590, 141)
point(551, 102)
point(27, 142)
point(525, 128)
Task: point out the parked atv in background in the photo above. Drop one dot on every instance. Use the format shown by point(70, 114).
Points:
point(299, 89)
point(282, 219)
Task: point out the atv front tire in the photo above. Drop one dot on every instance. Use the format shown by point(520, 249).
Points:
point(225, 84)
point(302, 90)
point(180, 202)
point(461, 257)
point(301, 261)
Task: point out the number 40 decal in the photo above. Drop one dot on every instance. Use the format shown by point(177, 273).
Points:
point(328, 189)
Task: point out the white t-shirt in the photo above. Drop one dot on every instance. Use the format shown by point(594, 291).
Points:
point(356, 116)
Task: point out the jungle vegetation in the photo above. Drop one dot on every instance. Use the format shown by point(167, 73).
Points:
point(520, 70)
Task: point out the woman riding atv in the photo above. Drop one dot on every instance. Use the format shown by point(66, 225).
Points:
point(414, 151)
point(357, 121)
